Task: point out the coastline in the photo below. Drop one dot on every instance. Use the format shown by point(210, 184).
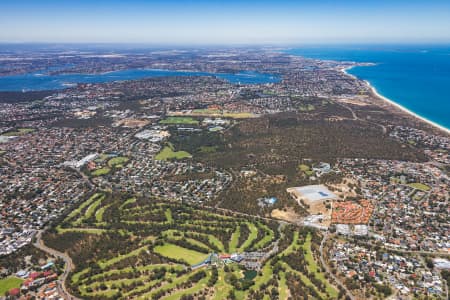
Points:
point(395, 104)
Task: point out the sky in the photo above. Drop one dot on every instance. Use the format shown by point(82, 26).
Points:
point(225, 22)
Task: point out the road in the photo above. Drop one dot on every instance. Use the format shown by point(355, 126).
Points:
point(356, 118)
point(322, 261)
point(416, 252)
point(68, 266)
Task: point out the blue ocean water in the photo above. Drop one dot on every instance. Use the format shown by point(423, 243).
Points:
point(414, 76)
point(41, 81)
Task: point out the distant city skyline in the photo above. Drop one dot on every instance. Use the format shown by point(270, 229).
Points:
point(225, 22)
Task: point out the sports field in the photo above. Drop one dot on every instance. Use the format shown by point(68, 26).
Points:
point(9, 283)
point(420, 186)
point(179, 121)
point(168, 153)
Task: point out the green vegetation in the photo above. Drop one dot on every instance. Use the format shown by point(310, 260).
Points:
point(180, 253)
point(242, 115)
point(314, 269)
point(283, 288)
point(306, 170)
point(128, 201)
point(101, 172)
point(221, 113)
point(179, 121)
point(307, 107)
point(117, 161)
point(207, 149)
point(9, 283)
point(84, 205)
point(168, 214)
point(160, 240)
point(251, 237)
point(207, 111)
point(81, 230)
point(99, 213)
point(19, 132)
point(235, 240)
point(419, 186)
point(168, 153)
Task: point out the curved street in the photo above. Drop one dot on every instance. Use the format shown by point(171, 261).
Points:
point(322, 261)
point(68, 266)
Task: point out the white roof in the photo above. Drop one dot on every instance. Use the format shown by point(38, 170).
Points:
point(315, 192)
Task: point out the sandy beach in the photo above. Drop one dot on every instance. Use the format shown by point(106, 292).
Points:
point(393, 103)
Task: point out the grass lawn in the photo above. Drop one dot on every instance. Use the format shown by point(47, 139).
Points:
point(20, 131)
point(220, 113)
point(212, 239)
point(306, 169)
point(192, 290)
point(283, 288)
point(90, 210)
point(207, 149)
point(420, 186)
point(9, 283)
point(179, 120)
point(99, 213)
point(303, 278)
point(268, 237)
point(215, 241)
point(85, 230)
point(308, 107)
point(313, 268)
point(93, 207)
point(128, 201)
point(83, 205)
point(104, 264)
point(267, 274)
point(252, 235)
point(242, 115)
point(292, 247)
point(101, 172)
point(207, 111)
point(168, 214)
point(169, 153)
point(221, 289)
point(303, 167)
point(76, 277)
point(120, 160)
point(167, 286)
point(176, 252)
point(234, 240)
point(102, 158)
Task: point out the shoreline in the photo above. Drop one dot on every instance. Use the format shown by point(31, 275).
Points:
point(399, 106)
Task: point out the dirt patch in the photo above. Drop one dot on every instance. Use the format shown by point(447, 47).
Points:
point(289, 215)
point(353, 102)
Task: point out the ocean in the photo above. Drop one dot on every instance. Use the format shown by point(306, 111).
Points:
point(416, 77)
point(39, 81)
